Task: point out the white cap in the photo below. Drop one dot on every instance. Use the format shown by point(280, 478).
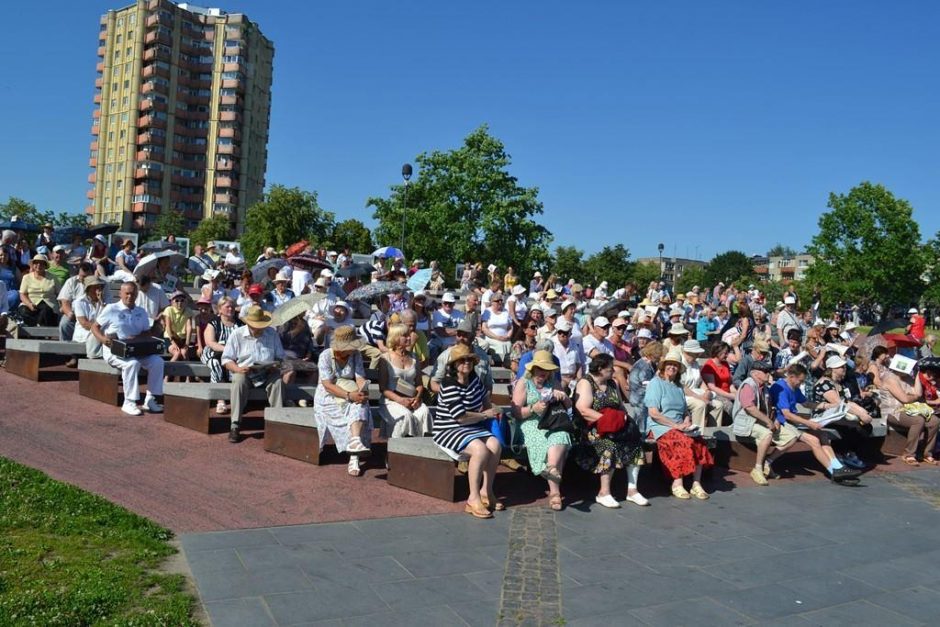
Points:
point(845, 336)
point(321, 282)
point(601, 321)
point(518, 290)
point(644, 333)
point(326, 272)
point(832, 325)
point(101, 238)
point(280, 276)
point(568, 303)
point(630, 326)
point(448, 297)
point(789, 300)
point(551, 311)
point(851, 326)
point(342, 303)
point(623, 313)
point(59, 248)
point(834, 361)
point(563, 325)
point(911, 311)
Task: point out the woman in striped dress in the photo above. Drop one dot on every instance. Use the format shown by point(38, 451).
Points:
point(463, 404)
point(216, 335)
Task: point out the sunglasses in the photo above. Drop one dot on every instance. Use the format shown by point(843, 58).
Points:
point(533, 327)
point(563, 333)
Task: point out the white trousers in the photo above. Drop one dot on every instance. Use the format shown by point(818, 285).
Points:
point(130, 369)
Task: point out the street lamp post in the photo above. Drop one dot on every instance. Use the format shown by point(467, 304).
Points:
point(661, 248)
point(406, 176)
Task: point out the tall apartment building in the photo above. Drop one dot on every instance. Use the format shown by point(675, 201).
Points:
point(672, 267)
point(183, 101)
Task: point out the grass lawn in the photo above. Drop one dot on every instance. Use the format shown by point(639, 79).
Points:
point(71, 558)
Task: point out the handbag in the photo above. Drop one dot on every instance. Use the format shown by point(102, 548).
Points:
point(611, 421)
point(499, 427)
point(405, 389)
point(555, 418)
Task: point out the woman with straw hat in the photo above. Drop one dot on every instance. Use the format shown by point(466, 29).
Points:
point(38, 295)
point(680, 451)
point(531, 398)
point(460, 431)
point(341, 403)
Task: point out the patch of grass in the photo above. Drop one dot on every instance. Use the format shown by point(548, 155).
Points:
point(71, 558)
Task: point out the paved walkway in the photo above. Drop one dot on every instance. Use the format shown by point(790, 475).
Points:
point(795, 553)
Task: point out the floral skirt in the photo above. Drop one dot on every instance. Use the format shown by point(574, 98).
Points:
point(679, 454)
point(601, 455)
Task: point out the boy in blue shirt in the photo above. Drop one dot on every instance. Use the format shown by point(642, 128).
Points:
point(785, 395)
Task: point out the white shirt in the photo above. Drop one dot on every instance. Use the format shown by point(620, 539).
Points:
point(620, 293)
point(442, 320)
point(245, 349)
point(153, 301)
point(119, 321)
point(591, 343)
point(84, 308)
point(521, 307)
point(692, 376)
point(72, 289)
point(498, 323)
point(299, 280)
point(569, 358)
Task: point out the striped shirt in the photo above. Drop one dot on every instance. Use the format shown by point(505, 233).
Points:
point(375, 330)
point(453, 402)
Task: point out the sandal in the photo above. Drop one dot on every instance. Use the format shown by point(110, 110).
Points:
point(353, 468)
point(494, 505)
point(478, 510)
point(550, 474)
point(910, 460)
point(554, 502)
point(930, 460)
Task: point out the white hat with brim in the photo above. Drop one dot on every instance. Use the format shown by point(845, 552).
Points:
point(644, 333)
point(40, 258)
point(678, 329)
point(674, 356)
point(834, 362)
point(448, 297)
point(257, 318)
point(518, 290)
point(280, 277)
point(563, 325)
point(912, 311)
point(851, 326)
point(343, 304)
point(692, 347)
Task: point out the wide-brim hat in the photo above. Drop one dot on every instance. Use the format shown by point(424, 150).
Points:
point(542, 360)
point(204, 300)
point(257, 318)
point(280, 277)
point(344, 339)
point(674, 356)
point(692, 347)
point(40, 258)
point(92, 281)
point(462, 351)
point(518, 290)
point(178, 294)
point(678, 329)
point(551, 294)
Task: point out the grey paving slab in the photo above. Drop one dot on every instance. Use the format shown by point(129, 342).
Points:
point(476, 614)
point(690, 611)
point(324, 602)
point(242, 612)
point(791, 540)
point(762, 602)
point(436, 563)
point(439, 616)
point(919, 604)
point(857, 614)
point(204, 563)
point(827, 590)
point(233, 585)
point(264, 557)
point(430, 591)
point(227, 539)
point(326, 532)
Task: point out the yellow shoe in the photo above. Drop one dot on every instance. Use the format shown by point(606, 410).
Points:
point(681, 493)
point(759, 477)
point(699, 492)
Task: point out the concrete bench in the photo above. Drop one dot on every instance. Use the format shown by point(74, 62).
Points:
point(101, 382)
point(419, 465)
point(292, 432)
point(39, 333)
point(26, 357)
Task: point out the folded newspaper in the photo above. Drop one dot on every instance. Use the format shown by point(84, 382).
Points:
point(831, 415)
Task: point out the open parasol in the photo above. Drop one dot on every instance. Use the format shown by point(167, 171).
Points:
point(296, 249)
point(611, 308)
point(158, 245)
point(309, 262)
point(374, 290)
point(295, 307)
point(389, 252)
point(103, 230)
point(19, 225)
point(148, 264)
point(356, 269)
point(420, 279)
point(260, 271)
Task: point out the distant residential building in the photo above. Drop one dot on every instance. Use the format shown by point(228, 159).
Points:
point(672, 267)
point(183, 101)
point(779, 268)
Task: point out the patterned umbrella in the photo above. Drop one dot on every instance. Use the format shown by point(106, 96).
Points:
point(309, 262)
point(260, 271)
point(389, 252)
point(356, 269)
point(296, 249)
point(374, 290)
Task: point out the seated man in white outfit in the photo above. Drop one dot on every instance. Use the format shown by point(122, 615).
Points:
point(124, 320)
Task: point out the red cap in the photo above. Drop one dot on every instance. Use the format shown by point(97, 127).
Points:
point(255, 289)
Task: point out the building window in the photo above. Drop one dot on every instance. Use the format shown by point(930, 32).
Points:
point(122, 134)
point(117, 39)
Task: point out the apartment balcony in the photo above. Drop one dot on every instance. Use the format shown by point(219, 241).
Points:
point(145, 188)
point(92, 178)
point(181, 197)
point(90, 194)
point(158, 37)
point(231, 67)
point(94, 145)
point(153, 5)
point(147, 104)
point(195, 66)
point(146, 207)
point(191, 132)
point(102, 50)
point(229, 149)
point(227, 166)
point(146, 138)
point(90, 210)
point(93, 162)
point(186, 181)
point(153, 87)
point(191, 50)
point(192, 98)
point(151, 71)
point(148, 173)
point(99, 82)
point(233, 51)
point(96, 99)
point(158, 19)
point(234, 83)
point(209, 35)
point(150, 155)
point(230, 132)
point(230, 116)
point(96, 113)
point(193, 115)
point(189, 164)
point(95, 129)
point(149, 121)
point(226, 181)
point(193, 149)
point(227, 198)
point(156, 54)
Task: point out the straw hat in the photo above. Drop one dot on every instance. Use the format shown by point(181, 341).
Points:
point(257, 318)
point(541, 360)
point(280, 277)
point(462, 351)
point(678, 329)
point(692, 347)
point(41, 258)
point(344, 339)
point(674, 356)
point(92, 281)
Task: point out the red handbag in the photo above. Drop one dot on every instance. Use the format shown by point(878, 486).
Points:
point(611, 421)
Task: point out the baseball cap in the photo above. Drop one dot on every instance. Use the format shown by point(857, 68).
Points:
point(448, 297)
point(623, 313)
point(326, 272)
point(618, 322)
point(644, 333)
point(568, 303)
point(563, 325)
point(255, 289)
point(602, 322)
point(912, 310)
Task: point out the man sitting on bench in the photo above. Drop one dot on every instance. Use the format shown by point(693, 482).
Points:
point(752, 419)
point(253, 354)
point(124, 321)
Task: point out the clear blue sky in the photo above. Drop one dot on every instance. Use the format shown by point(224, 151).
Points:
point(640, 122)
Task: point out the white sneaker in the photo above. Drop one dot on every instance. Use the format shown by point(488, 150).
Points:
point(608, 500)
point(130, 407)
point(638, 499)
point(151, 405)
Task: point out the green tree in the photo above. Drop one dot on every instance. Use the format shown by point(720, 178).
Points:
point(691, 276)
point(216, 227)
point(284, 215)
point(868, 249)
point(66, 219)
point(464, 205)
point(611, 264)
point(779, 250)
point(170, 222)
point(729, 267)
point(644, 274)
point(354, 234)
point(568, 263)
point(932, 253)
point(25, 211)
